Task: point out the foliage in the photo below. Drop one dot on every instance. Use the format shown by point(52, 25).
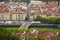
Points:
point(10, 33)
point(24, 0)
point(54, 20)
point(42, 30)
point(7, 34)
point(1, 0)
point(34, 38)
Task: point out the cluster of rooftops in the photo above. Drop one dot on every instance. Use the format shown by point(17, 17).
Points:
point(44, 8)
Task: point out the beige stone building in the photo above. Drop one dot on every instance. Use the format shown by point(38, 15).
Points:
point(13, 16)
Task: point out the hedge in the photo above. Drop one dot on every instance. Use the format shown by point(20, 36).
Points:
point(50, 20)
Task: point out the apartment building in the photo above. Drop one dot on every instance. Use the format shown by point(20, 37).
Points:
point(50, 8)
point(34, 10)
point(12, 12)
point(17, 10)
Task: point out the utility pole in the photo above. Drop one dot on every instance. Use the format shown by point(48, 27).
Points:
point(10, 12)
point(28, 11)
point(27, 23)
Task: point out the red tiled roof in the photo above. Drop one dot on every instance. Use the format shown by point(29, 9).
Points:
point(53, 4)
point(44, 5)
point(4, 12)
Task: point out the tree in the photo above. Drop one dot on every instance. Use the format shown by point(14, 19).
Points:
point(15, 0)
point(38, 18)
point(1, 0)
point(25, 1)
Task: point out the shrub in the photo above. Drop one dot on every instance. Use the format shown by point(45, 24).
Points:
point(7, 35)
point(10, 34)
point(34, 38)
point(50, 20)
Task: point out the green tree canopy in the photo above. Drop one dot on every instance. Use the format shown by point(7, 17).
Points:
point(1, 0)
point(25, 1)
point(54, 20)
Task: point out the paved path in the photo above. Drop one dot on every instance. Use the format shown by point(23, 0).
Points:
point(25, 24)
